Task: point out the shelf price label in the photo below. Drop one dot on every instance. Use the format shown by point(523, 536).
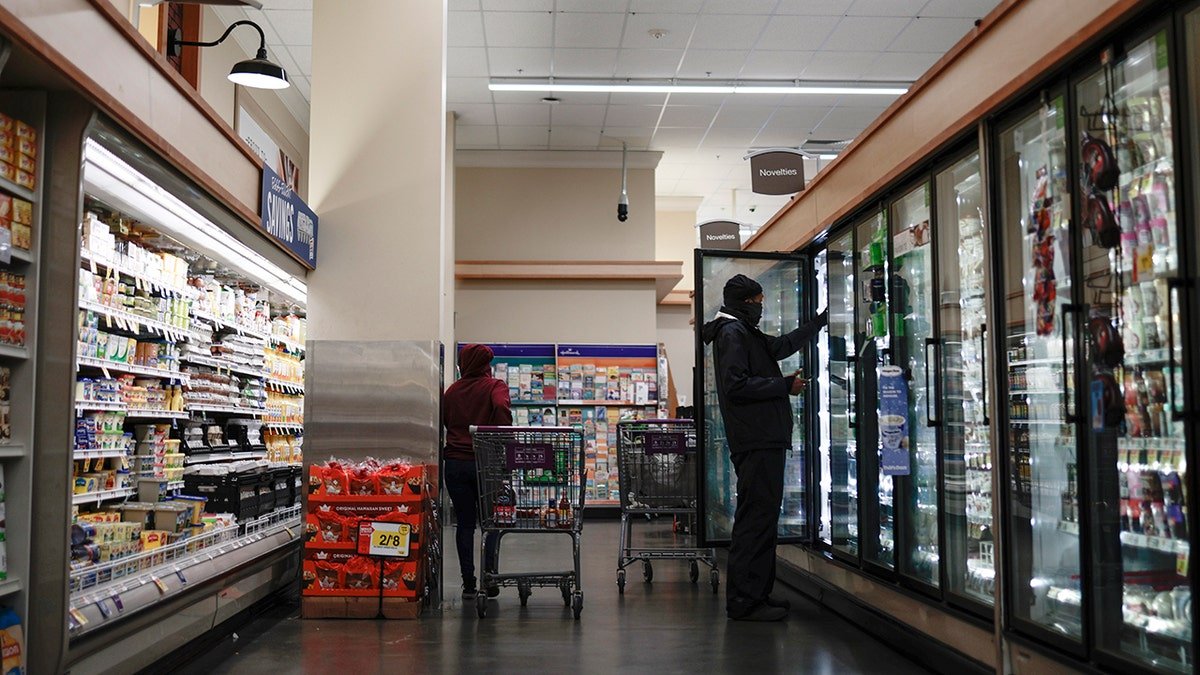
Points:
point(384, 539)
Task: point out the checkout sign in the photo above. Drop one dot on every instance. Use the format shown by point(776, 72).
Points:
point(384, 539)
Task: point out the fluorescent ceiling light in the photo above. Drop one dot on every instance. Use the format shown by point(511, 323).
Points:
point(109, 177)
point(698, 86)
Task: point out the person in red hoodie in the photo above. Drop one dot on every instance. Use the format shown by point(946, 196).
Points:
point(476, 399)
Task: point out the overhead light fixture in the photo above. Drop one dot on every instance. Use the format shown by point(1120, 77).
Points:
point(258, 72)
point(633, 86)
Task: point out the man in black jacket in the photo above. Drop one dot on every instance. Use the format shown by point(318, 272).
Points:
point(753, 394)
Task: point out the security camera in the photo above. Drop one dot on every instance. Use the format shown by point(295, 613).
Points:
point(753, 209)
point(623, 208)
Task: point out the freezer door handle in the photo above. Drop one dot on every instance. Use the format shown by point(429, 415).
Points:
point(1174, 286)
point(851, 386)
point(1070, 413)
point(987, 420)
point(929, 390)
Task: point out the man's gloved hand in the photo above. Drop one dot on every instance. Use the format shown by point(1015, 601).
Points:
point(797, 383)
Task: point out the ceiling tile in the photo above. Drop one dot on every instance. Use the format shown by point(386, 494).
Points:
point(727, 31)
point(729, 138)
point(574, 137)
point(673, 6)
point(688, 116)
point(519, 61)
point(743, 117)
point(664, 185)
point(852, 117)
point(886, 7)
point(740, 100)
point(780, 138)
point(715, 63)
point(923, 35)
point(800, 119)
point(857, 33)
point(637, 99)
point(810, 100)
point(797, 32)
point(632, 116)
point(706, 172)
point(584, 62)
point(474, 114)
point(283, 56)
point(288, 4)
point(968, 9)
point(566, 98)
point(259, 17)
point(468, 90)
point(508, 114)
point(648, 62)
point(465, 29)
point(474, 137)
point(466, 62)
point(678, 138)
point(840, 65)
point(518, 5)
point(577, 115)
point(638, 27)
point(518, 29)
point(697, 99)
point(303, 86)
point(464, 5)
point(588, 30)
point(634, 136)
point(302, 55)
point(902, 65)
point(815, 7)
point(740, 7)
point(617, 6)
point(294, 27)
point(524, 137)
point(770, 65)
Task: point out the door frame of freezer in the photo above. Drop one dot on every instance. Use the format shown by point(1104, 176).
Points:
point(804, 263)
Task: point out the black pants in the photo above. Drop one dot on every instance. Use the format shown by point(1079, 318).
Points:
point(751, 573)
point(463, 485)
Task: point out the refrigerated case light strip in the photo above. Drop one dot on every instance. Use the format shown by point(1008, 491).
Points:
point(1162, 544)
point(1036, 392)
point(134, 323)
point(105, 364)
point(88, 257)
point(103, 496)
point(1037, 362)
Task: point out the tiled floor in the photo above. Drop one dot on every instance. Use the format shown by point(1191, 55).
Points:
point(665, 627)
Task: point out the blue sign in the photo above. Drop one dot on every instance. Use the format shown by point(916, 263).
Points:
point(893, 422)
point(287, 219)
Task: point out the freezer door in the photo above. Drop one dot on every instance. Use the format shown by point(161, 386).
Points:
point(1040, 403)
point(785, 281)
point(1138, 477)
point(965, 424)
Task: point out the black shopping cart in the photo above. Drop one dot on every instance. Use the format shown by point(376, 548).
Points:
point(530, 481)
point(656, 469)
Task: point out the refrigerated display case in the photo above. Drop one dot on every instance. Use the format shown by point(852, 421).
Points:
point(1043, 549)
point(782, 277)
point(966, 437)
point(916, 354)
point(1135, 361)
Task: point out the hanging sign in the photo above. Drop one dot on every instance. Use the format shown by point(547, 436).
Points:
point(893, 421)
point(722, 235)
point(287, 219)
point(776, 171)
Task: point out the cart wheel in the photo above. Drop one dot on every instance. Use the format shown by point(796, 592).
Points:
point(715, 578)
point(577, 604)
point(647, 571)
point(524, 591)
point(694, 572)
point(481, 604)
point(621, 581)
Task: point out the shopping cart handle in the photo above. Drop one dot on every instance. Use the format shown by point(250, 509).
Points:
point(473, 428)
point(662, 421)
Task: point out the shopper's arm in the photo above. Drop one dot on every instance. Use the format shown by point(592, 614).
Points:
point(790, 343)
point(735, 373)
point(501, 404)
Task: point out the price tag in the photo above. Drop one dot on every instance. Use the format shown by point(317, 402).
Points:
point(104, 611)
point(162, 585)
point(92, 264)
point(385, 539)
point(117, 601)
point(104, 370)
point(78, 616)
point(1181, 563)
point(108, 320)
point(179, 573)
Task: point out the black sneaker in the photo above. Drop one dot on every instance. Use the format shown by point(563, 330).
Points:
point(493, 591)
point(763, 612)
point(468, 591)
point(782, 603)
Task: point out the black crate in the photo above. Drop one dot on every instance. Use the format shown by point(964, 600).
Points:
point(297, 483)
point(266, 492)
point(220, 491)
point(282, 479)
point(249, 504)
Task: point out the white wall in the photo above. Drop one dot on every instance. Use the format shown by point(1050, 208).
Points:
point(556, 311)
point(678, 337)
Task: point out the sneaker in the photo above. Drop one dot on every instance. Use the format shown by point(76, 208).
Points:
point(763, 612)
point(782, 603)
point(493, 591)
point(469, 592)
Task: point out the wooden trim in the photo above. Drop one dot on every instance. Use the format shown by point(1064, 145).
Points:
point(1020, 81)
point(190, 58)
point(664, 274)
point(678, 298)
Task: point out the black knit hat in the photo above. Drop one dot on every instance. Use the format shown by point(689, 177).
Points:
point(739, 288)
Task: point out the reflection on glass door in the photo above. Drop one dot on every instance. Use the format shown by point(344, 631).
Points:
point(871, 237)
point(966, 451)
point(916, 353)
point(780, 276)
point(1135, 359)
point(1035, 212)
point(835, 379)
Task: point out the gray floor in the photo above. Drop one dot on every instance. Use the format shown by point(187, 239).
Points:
point(667, 626)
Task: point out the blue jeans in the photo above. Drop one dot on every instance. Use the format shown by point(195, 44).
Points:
point(463, 485)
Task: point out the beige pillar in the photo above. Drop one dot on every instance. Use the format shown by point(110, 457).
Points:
point(376, 171)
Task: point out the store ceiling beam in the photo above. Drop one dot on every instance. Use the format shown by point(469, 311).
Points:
point(664, 273)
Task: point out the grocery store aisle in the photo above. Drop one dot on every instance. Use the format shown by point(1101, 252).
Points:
point(667, 626)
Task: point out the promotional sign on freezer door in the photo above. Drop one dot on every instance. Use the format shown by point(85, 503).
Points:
point(1040, 325)
point(783, 278)
point(1135, 360)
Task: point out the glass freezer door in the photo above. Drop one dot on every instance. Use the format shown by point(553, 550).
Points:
point(1135, 363)
point(784, 281)
point(1039, 403)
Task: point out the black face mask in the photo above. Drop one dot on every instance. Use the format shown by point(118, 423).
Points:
point(750, 312)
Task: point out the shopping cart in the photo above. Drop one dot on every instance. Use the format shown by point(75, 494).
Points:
point(656, 469)
point(530, 481)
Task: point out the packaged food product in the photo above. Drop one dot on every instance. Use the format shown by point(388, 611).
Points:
point(334, 479)
point(24, 178)
point(25, 131)
point(329, 575)
point(331, 526)
point(360, 573)
point(363, 481)
point(22, 211)
point(12, 643)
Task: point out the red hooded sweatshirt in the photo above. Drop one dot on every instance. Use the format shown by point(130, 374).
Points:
point(476, 398)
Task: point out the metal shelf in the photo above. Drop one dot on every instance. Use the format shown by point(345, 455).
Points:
point(103, 496)
point(213, 362)
point(222, 324)
point(285, 387)
point(285, 427)
point(105, 364)
point(225, 409)
point(602, 402)
point(17, 190)
point(290, 345)
point(202, 458)
point(12, 451)
point(146, 414)
point(13, 352)
point(88, 257)
point(10, 585)
point(100, 406)
point(21, 255)
point(98, 453)
point(133, 323)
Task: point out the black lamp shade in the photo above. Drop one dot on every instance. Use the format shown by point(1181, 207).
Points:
point(260, 74)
